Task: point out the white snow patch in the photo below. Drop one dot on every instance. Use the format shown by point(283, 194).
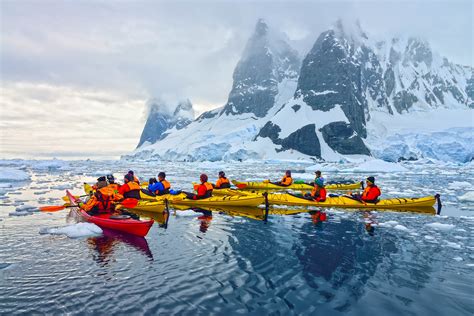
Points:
point(457, 259)
point(400, 227)
point(461, 185)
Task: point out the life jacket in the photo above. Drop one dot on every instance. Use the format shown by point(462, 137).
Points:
point(371, 194)
point(286, 181)
point(204, 190)
point(166, 186)
point(130, 190)
point(222, 183)
point(114, 186)
point(319, 195)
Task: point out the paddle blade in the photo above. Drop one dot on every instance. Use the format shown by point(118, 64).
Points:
point(53, 208)
point(87, 188)
point(66, 198)
point(129, 203)
point(241, 185)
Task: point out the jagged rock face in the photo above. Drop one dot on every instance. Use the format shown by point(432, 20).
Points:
point(303, 140)
point(470, 91)
point(163, 117)
point(342, 138)
point(265, 63)
point(329, 76)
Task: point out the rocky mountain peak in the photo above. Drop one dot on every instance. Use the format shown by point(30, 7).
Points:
point(267, 60)
point(164, 116)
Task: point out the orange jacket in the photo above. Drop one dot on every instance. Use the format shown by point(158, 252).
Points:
point(130, 190)
point(286, 181)
point(222, 183)
point(204, 190)
point(319, 195)
point(371, 193)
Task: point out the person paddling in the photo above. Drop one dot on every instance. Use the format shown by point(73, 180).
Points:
point(204, 190)
point(111, 180)
point(371, 193)
point(286, 181)
point(135, 179)
point(130, 189)
point(318, 193)
point(101, 183)
point(222, 182)
point(160, 187)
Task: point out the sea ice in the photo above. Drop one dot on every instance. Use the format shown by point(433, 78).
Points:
point(74, 231)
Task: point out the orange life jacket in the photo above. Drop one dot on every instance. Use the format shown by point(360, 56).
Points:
point(222, 183)
point(166, 186)
point(204, 190)
point(130, 190)
point(114, 186)
point(319, 195)
point(371, 194)
point(135, 179)
point(286, 181)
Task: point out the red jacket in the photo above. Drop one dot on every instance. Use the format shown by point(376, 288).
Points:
point(371, 193)
point(204, 190)
point(319, 196)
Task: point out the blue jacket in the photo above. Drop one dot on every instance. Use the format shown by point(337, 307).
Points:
point(156, 187)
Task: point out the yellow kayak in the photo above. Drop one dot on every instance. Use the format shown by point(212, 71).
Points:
point(252, 200)
point(347, 202)
point(249, 185)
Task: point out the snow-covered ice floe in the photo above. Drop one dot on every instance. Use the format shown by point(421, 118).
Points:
point(74, 231)
point(8, 174)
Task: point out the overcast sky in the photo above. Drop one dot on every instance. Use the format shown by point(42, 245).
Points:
point(75, 75)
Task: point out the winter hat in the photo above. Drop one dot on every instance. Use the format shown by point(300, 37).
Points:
point(221, 174)
point(203, 177)
point(371, 179)
point(162, 174)
point(99, 179)
point(128, 177)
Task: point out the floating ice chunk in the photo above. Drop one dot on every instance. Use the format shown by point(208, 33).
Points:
point(457, 259)
point(376, 165)
point(187, 213)
point(470, 264)
point(27, 208)
point(453, 245)
point(429, 237)
point(74, 231)
point(21, 213)
point(461, 185)
point(12, 174)
point(440, 226)
point(400, 227)
point(468, 197)
point(60, 187)
point(54, 164)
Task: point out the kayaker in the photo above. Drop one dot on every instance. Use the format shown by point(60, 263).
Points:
point(130, 189)
point(318, 193)
point(204, 190)
point(286, 180)
point(371, 192)
point(160, 187)
point(111, 180)
point(101, 202)
point(135, 179)
point(101, 183)
point(222, 182)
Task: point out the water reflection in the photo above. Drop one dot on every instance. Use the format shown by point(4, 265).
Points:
point(340, 255)
point(106, 244)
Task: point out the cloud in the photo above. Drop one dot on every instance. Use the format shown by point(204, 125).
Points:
point(104, 59)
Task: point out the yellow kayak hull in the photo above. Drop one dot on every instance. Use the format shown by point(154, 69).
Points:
point(253, 200)
point(249, 185)
point(347, 202)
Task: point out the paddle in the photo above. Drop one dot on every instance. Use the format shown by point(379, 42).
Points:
point(55, 208)
point(66, 198)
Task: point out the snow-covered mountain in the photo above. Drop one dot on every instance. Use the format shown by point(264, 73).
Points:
point(345, 98)
point(163, 118)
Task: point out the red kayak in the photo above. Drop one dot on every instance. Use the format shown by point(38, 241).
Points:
point(111, 221)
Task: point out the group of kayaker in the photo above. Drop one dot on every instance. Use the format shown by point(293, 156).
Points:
point(370, 194)
point(107, 191)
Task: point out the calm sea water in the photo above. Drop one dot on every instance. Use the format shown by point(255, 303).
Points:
point(354, 263)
